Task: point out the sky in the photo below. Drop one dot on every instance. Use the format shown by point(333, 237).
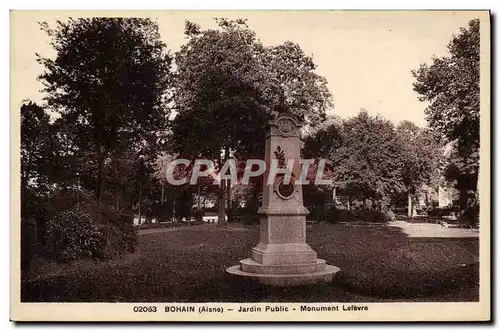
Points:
point(366, 56)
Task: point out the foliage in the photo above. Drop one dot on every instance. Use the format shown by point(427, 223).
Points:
point(108, 82)
point(76, 233)
point(220, 90)
point(41, 164)
point(323, 140)
point(451, 86)
point(72, 234)
point(368, 159)
point(228, 85)
point(462, 171)
point(35, 144)
point(421, 156)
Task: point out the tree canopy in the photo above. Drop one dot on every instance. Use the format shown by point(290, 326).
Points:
point(451, 87)
point(109, 82)
point(228, 85)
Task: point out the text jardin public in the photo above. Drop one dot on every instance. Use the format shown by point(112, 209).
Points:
point(253, 168)
point(266, 309)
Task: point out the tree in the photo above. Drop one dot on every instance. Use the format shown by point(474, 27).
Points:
point(109, 83)
point(228, 85)
point(35, 143)
point(322, 142)
point(462, 172)
point(368, 159)
point(451, 86)
point(37, 157)
point(420, 157)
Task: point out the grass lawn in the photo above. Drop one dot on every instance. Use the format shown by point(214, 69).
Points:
point(188, 265)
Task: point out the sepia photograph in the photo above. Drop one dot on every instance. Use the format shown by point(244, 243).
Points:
point(250, 165)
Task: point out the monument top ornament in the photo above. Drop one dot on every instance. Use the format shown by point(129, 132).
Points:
point(285, 126)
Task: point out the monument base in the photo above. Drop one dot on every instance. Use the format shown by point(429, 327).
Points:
point(285, 275)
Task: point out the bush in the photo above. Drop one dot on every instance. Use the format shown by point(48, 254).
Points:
point(470, 216)
point(72, 234)
point(330, 215)
point(81, 233)
point(442, 211)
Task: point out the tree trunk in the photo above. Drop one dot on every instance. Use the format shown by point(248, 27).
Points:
point(409, 205)
point(364, 202)
point(222, 201)
point(334, 195)
point(349, 202)
point(228, 189)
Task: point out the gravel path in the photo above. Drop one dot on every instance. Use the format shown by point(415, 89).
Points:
point(429, 230)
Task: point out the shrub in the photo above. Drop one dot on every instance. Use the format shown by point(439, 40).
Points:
point(72, 234)
point(470, 216)
point(330, 215)
point(89, 232)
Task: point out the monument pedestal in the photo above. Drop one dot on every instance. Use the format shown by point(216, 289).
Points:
point(282, 257)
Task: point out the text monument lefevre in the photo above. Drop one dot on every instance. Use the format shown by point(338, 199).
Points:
point(282, 257)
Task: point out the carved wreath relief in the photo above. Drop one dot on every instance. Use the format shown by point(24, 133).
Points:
point(284, 191)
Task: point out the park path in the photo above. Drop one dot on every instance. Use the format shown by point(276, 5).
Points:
point(429, 230)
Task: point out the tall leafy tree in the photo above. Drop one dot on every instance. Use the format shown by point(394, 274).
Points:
point(451, 87)
point(421, 158)
point(369, 157)
point(109, 82)
point(35, 143)
point(228, 85)
point(38, 145)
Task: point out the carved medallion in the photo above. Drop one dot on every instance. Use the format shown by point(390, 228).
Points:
point(285, 127)
point(285, 191)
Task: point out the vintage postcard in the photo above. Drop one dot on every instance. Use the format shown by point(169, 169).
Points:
point(250, 166)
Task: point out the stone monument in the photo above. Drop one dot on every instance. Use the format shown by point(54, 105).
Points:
point(282, 257)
